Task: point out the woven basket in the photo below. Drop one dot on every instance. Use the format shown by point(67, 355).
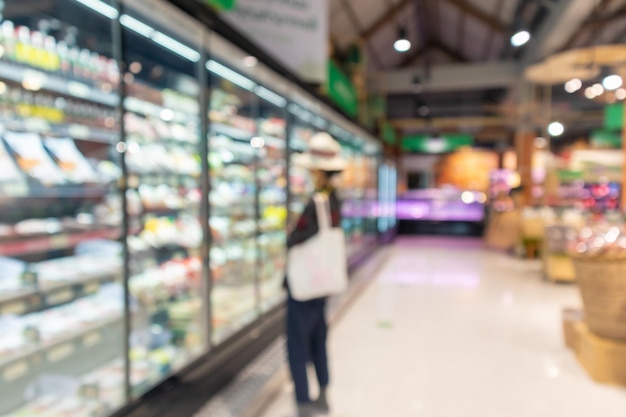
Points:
point(602, 283)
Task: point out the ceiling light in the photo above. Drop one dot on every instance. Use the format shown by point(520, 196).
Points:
point(402, 44)
point(423, 110)
point(573, 85)
point(590, 93)
point(556, 129)
point(598, 89)
point(612, 82)
point(520, 38)
point(230, 75)
point(100, 7)
point(416, 84)
point(270, 96)
point(620, 94)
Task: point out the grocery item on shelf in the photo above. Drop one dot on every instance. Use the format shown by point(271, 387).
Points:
point(33, 159)
point(10, 171)
point(603, 239)
point(73, 164)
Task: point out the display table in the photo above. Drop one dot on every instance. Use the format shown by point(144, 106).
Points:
point(504, 229)
point(603, 359)
point(558, 265)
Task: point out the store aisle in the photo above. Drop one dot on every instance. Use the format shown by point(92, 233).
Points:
point(451, 329)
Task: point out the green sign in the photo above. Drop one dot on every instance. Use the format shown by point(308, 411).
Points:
point(436, 145)
point(606, 139)
point(614, 117)
point(221, 4)
point(388, 134)
point(567, 175)
point(341, 90)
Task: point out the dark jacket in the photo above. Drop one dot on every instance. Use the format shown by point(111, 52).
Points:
point(307, 225)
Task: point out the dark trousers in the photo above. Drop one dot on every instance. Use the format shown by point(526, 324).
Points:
point(306, 342)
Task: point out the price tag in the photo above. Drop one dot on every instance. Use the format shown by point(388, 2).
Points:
point(60, 352)
point(17, 308)
point(92, 288)
point(59, 241)
point(33, 124)
point(92, 339)
point(78, 89)
point(60, 297)
point(79, 131)
point(15, 371)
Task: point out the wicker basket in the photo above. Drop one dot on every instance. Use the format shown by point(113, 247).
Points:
point(602, 283)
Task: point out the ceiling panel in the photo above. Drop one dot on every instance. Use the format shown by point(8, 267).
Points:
point(341, 29)
point(497, 45)
point(449, 23)
point(369, 11)
point(509, 7)
point(474, 38)
point(485, 6)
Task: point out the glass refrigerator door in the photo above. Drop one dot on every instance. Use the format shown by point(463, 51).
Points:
point(272, 180)
point(162, 151)
point(61, 293)
point(232, 160)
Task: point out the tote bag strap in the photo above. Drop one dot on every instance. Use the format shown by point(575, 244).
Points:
point(322, 209)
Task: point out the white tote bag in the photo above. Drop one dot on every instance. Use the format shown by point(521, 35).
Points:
point(318, 267)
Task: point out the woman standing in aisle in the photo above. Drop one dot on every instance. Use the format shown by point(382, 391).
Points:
point(306, 320)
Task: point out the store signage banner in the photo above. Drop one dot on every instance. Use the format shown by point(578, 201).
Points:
point(341, 90)
point(614, 117)
point(295, 32)
point(221, 4)
point(436, 145)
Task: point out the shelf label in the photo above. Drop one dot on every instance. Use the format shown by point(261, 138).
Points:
point(33, 124)
point(60, 297)
point(92, 288)
point(17, 307)
point(79, 132)
point(92, 339)
point(78, 89)
point(59, 241)
point(15, 371)
point(60, 352)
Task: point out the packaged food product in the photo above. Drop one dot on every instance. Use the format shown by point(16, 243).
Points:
point(33, 159)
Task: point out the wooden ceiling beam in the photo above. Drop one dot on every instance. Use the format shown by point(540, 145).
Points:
point(490, 39)
point(596, 22)
point(437, 44)
point(450, 122)
point(493, 23)
point(386, 18)
point(358, 27)
point(413, 56)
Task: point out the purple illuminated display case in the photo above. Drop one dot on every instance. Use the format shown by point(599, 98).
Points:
point(441, 205)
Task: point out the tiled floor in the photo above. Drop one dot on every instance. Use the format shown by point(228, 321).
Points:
point(449, 329)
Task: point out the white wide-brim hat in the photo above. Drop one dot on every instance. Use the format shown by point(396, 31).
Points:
point(324, 153)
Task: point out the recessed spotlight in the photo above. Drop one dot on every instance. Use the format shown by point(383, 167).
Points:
point(556, 129)
point(590, 93)
point(520, 38)
point(573, 85)
point(612, 82)
point(620, 94)
point(598, 89)
point(402, 44)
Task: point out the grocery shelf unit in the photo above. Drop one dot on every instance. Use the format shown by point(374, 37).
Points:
point(145, 197)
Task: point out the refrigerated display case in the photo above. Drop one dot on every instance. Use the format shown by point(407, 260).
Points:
point(145, 196)
point(163, 194)
point(61, 214)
